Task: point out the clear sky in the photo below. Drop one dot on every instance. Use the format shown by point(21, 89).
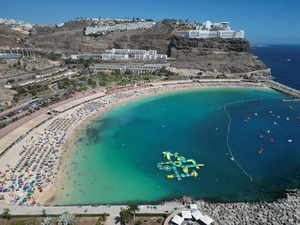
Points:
point(264, 21)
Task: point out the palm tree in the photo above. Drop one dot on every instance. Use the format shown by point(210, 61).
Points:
point(6, 214)
point(66, 219)
point(102, 217)
point(133, 207)
point(47, 221)
point(44, 214)
point(125, 216)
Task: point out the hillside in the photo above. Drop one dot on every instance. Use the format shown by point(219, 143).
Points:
point(215, 55)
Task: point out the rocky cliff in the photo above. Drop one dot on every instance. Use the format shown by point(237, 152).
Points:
point(215, 55)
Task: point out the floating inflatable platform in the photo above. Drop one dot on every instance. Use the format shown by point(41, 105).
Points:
point(180, 166)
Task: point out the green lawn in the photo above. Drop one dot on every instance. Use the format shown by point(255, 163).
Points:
point(46, 92)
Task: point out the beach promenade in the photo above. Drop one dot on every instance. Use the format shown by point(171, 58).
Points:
point(34, 166)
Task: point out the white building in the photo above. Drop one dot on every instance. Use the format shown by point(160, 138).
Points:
point(108, 56)
point(137, 54)
point(123, 54)
point(212, 30)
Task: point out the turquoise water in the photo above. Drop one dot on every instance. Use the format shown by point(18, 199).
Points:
point(114, 160)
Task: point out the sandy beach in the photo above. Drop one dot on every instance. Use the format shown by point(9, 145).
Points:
point(33, 170)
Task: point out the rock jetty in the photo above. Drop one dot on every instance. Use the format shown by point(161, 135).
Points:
point(283, 211)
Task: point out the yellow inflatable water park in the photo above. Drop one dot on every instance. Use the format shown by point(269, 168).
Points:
point(180, 166)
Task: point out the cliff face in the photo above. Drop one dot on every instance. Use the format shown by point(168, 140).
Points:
point(208, 45)
point(217, 55)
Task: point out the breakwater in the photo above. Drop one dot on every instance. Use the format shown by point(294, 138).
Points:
point(283, 88)
point(282, 211)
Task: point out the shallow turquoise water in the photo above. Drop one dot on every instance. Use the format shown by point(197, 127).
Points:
point(114, 160)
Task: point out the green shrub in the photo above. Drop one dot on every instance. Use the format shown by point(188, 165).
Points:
point(138, 222)
point(159, 220)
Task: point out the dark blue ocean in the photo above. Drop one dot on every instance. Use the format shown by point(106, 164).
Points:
point(284, 61)
point(114, 159)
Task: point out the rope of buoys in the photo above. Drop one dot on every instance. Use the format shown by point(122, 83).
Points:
point(228, 130)
point(227, 141)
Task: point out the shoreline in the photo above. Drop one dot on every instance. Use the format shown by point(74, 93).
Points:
point(127, 100)
point(115, 99)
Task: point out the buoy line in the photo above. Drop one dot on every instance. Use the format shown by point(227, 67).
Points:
point(227, 141)
point(228, 129)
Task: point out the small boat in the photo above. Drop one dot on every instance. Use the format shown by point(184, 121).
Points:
point(290, 107)
point(287, 118)
point(270, 111)
point(246, 121)
point(268, 131)
point(275, 123)
point(271, 140)
point(248, 118)
point(261, 136)
point(255, 114)
point(260, 150)
point(170, 176)
point(290, 140)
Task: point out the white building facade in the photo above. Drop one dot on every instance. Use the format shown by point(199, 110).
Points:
point(212, 30)
point(123, 54)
